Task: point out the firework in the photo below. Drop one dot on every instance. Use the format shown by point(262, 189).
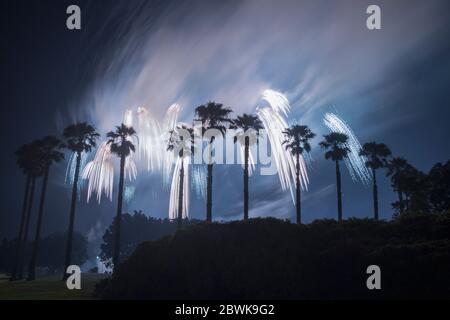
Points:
point(278, 102)
point(152, 136)
point(354, 162)
point(169, 125)
point(151, 147)
point(274, 124)
point(149, 133)
point(70, 170)
point(100, 172)
point(198, 180)
point(251, 161)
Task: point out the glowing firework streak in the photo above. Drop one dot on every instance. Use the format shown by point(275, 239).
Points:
point(152, 136)
point(198, 180)
point(354, 162)
point(169, 125)
point(70, 171)
point(278, 102)
point(274, 124)
point(150, 145)
point(100, 172)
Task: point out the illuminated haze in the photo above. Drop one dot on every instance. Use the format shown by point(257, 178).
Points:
point(384, 84)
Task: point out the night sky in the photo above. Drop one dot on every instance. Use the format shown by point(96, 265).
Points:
point(390, 85)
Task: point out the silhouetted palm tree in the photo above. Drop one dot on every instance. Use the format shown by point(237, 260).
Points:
point(27, 160)
point(297, 141)
point(336, 144)
point(248, 127)
point(121, 145)
point(213, 116)
point(376, 154)
point(181, 140)
point(49, 153)
point(396, 169)
point(80, 137)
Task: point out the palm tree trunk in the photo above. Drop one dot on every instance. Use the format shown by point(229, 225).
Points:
point(209, 186)
point(119, 214)
point(68, 257)
point(23, 250)
point(339, 191)
point(297, 187)
point(375, 195)
point(246, 154)
point(209, 194)
point(180, 195)
point(32, 265)
point(401, 201)
point(21, 229)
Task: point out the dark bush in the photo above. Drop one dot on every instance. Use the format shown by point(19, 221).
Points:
point(274, 259)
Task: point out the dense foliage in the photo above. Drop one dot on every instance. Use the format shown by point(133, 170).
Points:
point(274, 259)
point(428, 192)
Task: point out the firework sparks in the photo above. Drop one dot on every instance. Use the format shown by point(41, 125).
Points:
point(100, 173)
point(198, 180)
point(70, 171)
point(354, 162)
point(278, 102)
point(151, 146)
point(251, 161)
point(274, 123)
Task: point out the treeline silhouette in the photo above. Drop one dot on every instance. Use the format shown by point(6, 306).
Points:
point(419, 191)
point(274, 259)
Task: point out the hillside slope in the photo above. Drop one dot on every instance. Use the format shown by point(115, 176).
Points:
point(274, 259)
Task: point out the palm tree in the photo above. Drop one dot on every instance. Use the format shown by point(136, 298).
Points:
point(336, 145)
point(122, 145)
point(79, 137)
point(376, 154)
point(213, 116)
point(297, 141)
point(49, 154)
point(248, 126)
point(27, 159)
point(185, 147)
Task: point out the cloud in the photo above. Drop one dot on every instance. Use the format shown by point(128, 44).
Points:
point(319, 53)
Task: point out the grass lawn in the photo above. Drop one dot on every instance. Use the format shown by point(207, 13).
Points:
point(48, 288)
